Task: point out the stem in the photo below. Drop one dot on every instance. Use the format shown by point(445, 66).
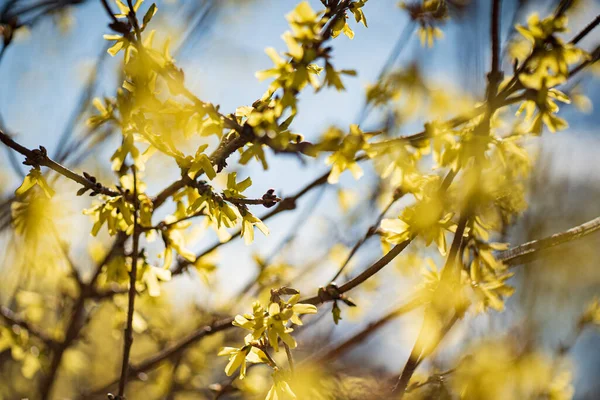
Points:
point(370, 329)
point(128, 340)
point(432, 379)
point(362, 277)
point(416, 357)
point(590, 27)
point(263, 202)
point(40, 158)
point(217, 158)
point(370, 232)
point(526, 251)
point(12, 319)
point(290, 358)
point(109, 11)
point(451, 270)
point(495, 75)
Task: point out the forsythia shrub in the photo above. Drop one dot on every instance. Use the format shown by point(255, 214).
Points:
point(461, 182)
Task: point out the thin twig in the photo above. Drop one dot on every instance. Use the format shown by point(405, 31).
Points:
point(435, 378)
point(371, 328)
point(40, 158)
point(290, 358)
point(521, 253)
point(74, 325)
point(109, 11)
point(495, 75)
point(419, 354)
point(128, 339)
point(370, 232)
point(590, 27)
point(11, 318)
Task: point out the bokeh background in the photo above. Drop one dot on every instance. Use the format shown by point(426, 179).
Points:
point(57, 63)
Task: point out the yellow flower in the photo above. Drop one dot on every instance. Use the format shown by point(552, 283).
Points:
point(34, 177)
point(248, 222)
point(238, 358)
point(281, 389)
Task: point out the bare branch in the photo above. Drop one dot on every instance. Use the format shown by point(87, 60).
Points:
point(526, 251)
point(39, 157)
point(128, 335)
point(12, 319)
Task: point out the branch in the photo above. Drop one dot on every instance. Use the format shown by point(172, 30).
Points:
point(243, 134)
point(415, 360)
point(217, 159)
point(128, 339)
point(590, 27)
point(371, 328)
point(330, 295)
point(435, 378)
point(595, 56)
point(39, 157)
point(450, 274)
point(370, 232)
point(227, 322)
point(74, 326)
point(12, 319)
point(531, 249)
point(267, 202)
point(287, 203)
point(495, 75)
point(109, 11)
point(171, 351)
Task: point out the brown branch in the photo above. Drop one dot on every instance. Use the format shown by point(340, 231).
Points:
point(109, 11)
point(435, 378)
point(370, 329)
point(450, 274)
point(370, 232)
point(170, 351)
point(263, 202)
point(287, 203)
point(450, 271)
point(242, 134)
point(290, 358)
point(128, 335)
point(11, 318)
point(217, 159)
point(325, 295)
point(526, 251)
point(495, 75)
point(415, 359)
point(74, 326)
point(39, 157)
point(595, 56)
point(590, 27)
